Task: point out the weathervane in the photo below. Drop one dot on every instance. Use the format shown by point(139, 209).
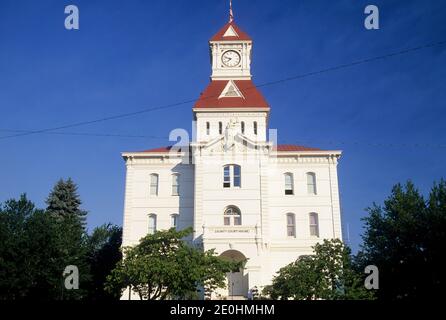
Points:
point(231, 14)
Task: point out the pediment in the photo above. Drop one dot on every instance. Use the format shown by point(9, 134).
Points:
point(230, 32)
point(225, 143)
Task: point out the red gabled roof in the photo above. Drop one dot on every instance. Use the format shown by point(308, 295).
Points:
point(293, 147)
point(252, 98)
point(159, 150)
point(280, 148)
point(241, 35)
point(164, 149)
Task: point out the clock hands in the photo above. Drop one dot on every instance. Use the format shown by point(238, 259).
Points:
point(230, 58)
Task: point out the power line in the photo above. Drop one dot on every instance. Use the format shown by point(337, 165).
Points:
point(303, 142)
point(86, 134)
point(162, 107)
point(379, 144)
point(352, 64)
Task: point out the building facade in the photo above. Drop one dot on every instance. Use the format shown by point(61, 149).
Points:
point(244, 195)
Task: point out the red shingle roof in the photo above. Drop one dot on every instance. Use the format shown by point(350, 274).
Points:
point(280, 148)
point(252, 98)
point(158, 150)
point(292, 147)
point(241, 35)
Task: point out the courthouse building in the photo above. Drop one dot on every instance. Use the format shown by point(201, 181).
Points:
point(244, 195)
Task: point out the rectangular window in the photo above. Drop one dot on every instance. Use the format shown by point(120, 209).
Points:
point(226, 177)
point(175, 185)
point(255, 127)
point(174, 221)
point(237, 176)
point(237, 220)
point(311, 183)
point(314, 224)
point(220, 128)
point(208, 128)
point(153, 184)
point(289, 184)
point(291, 225)
point(152, 224)
point(243, 127)
point(227, 221)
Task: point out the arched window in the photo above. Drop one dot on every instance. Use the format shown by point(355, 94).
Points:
point(291, 225)
point(208, 128)
point(232, 216)
point(154, 184)
point(289, 183)
point(311, 183)
point(232, 176)
point(243, 127)
point(255, 127)
point(314, 224)
point(175, 184)
point(152, 223)
point(174, 220)
point(220, 127)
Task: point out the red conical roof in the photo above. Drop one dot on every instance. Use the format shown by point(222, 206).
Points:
point(241, 35)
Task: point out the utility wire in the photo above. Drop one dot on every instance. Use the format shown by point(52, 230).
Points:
point(303, 142)
point(167, 106)
point(86, 134)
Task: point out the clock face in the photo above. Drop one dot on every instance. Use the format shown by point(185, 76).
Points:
point(230, 58)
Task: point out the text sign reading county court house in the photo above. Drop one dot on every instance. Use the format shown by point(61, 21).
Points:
point(231, 230)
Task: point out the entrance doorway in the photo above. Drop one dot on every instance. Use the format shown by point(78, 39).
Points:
point(237, 282)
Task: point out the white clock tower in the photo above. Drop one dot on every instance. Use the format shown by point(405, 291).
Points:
point(230, 50)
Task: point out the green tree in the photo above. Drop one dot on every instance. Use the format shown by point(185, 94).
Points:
point(104, 253)
point(63, 203)
point(163, 266)
point(28, 252)
point(406, 239)
point(328, 274)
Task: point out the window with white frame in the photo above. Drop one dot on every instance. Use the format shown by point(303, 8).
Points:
point(314, 224)
point(174, 220)
point(232, 176)
point(208, 128)
point(289, 183)
point(243, 127)
point(291, 225)
point(255, 127)
point(220, 127)
point(175, 184)
point(232, 216)
point(311, 183)
point(154, 184)
point(152, 223)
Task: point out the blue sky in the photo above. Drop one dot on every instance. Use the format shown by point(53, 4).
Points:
point(387, 116)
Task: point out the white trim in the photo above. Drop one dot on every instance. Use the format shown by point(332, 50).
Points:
point(219, 109)
point(230, 41)
point(226, 90)
point(230, 32)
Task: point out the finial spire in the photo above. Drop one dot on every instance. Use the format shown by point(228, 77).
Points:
point(231, 14)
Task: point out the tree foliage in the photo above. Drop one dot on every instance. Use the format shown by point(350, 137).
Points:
point(406, 239)
point(31, 254)
point(36, 245)
point(104, 253)
point(163, 266)
point(328, 274)
point(63, 203)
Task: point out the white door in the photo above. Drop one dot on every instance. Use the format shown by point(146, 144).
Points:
point(236, 285)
